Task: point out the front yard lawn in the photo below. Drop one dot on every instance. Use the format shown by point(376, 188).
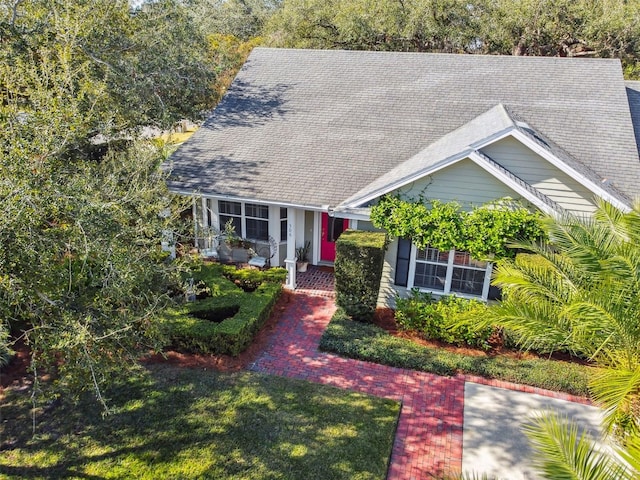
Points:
point(190, 423)
point(371, 343)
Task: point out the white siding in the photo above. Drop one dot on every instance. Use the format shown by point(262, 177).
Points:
point(541, 174)
point(464, 182)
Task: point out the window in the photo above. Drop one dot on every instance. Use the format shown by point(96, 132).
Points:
point(431, 269)
point(283, 224)
point(257, 221)
point(468, 275)
point(336, 227)
point(231, 211)
point(450, 272)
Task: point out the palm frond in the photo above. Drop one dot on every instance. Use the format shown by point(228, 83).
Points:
point(618, 391)
point(563, 454)
point(632, 452)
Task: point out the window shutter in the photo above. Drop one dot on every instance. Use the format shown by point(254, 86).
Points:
point(402, 262)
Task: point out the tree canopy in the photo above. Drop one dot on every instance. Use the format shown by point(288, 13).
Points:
point(83, 201)
point(608, 28)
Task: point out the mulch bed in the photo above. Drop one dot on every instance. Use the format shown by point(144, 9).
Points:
point(16, 373)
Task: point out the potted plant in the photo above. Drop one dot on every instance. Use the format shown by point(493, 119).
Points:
point(234, 249)
point(302, 254)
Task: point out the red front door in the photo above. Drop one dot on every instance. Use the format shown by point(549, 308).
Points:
point(332, 227)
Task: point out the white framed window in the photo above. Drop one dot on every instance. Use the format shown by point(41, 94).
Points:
point(448, 272)
point(256, 221)
point(251, 220)
point(230, 211)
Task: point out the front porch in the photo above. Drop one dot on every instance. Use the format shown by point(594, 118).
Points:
point(316, 281)
point(278, 233)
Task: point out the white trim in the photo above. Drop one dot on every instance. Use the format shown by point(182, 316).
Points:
point(449, 276)
point(204, 202)
point(313, 208)
point(492, 138)
point(487, 282)
point(364, 214)
point(194, 213)
point(576, 175)
point(478, 160)
point(412, 265)
point(317, 227)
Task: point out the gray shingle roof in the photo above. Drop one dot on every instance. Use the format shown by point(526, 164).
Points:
point(451, 147)
point(313, 127)
point(633, 94)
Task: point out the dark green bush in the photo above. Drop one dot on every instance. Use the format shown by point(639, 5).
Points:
point(450, 319)
point(277, 275)
point(234, 334)
point(358, 270)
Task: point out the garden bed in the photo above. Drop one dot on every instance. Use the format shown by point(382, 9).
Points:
point(372, 343)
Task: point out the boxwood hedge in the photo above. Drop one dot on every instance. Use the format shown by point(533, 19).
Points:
point(358, 270)
point(188, 328)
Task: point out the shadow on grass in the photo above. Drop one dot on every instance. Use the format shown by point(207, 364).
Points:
point(198, 424)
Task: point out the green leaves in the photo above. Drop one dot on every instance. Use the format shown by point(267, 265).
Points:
point(580, 293)
point(566, 454)
point(562, 28)
point(485, 232)
point(80, 199)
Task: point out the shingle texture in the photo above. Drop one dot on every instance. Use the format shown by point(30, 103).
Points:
point(313, 127)
point(633, 94)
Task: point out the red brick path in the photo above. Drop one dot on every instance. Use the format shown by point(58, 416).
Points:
point(429, 437)
point(428, 441)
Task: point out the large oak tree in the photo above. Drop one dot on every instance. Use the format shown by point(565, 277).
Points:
point(83, 203)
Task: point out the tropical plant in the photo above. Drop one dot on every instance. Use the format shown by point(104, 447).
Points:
point(562, 452)
point(302, 252)
point(581, 292)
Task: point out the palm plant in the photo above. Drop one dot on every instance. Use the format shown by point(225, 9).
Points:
point(561, 453)
point(581, 292)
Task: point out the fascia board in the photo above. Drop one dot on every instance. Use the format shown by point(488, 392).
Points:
point(313, 208)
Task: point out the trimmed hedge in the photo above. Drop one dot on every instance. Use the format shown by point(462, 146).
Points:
point(358, 270)
point(232, 335)
point(373, 344)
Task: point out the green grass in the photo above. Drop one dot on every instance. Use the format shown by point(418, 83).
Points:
point(188, 423)
point(371, 343)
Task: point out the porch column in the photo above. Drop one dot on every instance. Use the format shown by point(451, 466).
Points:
point(290, 261)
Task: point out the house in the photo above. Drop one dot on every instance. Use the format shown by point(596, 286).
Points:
point(305, 141)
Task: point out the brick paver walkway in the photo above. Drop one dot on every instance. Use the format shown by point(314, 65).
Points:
point(429, 437)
